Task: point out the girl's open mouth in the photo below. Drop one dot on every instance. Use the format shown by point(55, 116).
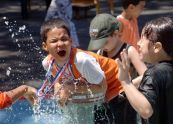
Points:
point(62, 53)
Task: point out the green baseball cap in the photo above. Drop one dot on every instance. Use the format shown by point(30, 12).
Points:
point(101, 27)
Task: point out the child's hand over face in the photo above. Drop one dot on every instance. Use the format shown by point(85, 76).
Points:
point(123, 67)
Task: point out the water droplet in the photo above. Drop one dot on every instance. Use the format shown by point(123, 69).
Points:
point(22, 28)
point(8, 71)
point(4, 18)
point(6, 22)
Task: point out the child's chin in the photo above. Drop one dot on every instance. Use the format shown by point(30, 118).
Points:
point(63, 57)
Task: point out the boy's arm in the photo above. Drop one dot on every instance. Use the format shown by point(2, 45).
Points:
point(17, 92)
point(136, 81)
point(136, 61)
point(82, 88)
point(8, 97)
point(92, 78)
point(138, 101)
point(20, 91)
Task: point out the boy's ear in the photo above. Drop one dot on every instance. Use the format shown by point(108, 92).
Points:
point(44, 46)
point(117, 33)
point(157, 47)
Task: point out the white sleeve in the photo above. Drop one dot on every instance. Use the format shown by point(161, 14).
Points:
point(100, 52)
point(89, 68)
point(45, 63)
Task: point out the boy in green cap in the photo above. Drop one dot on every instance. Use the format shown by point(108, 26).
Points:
point(105, 33)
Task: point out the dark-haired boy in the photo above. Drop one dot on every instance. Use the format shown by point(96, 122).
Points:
point(154, 99)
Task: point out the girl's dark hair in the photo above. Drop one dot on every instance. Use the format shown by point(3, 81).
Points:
point(50, 24)
point(160, 30)
point(126, 3)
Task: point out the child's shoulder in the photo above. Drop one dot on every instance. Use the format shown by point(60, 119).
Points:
point(161, 67)
point(83, 57)
point(164, 65)
point(123, 20)
point(46, 61)
point(131, 49)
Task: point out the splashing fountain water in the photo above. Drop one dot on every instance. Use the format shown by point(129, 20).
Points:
point(27, 52)
point(29, 67)
point(26, 66)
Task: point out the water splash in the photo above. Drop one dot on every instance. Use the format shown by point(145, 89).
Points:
point(22, 37)
point(47, 110)
point(8, 71)
point(27, 63)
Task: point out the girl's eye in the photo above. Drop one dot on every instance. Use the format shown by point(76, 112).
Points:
point(53, 41)
point(64, 39)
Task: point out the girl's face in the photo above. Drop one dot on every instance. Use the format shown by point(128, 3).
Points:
point(58, 44)
point(146, 50)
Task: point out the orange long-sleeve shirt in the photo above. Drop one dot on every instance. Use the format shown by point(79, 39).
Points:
point(5, 100)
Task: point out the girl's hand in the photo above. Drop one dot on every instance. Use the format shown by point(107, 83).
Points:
point(123, 66)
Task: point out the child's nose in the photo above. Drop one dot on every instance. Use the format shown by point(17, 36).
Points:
point(60, 43)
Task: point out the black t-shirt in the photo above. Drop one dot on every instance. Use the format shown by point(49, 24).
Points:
point(157, 86)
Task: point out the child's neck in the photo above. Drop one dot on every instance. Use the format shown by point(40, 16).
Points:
point(59, 64)
point(126, 15)
point(163, 57)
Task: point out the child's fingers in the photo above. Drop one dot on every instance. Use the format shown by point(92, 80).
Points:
point(126, 58)
point(123, 59)
point(119, 63)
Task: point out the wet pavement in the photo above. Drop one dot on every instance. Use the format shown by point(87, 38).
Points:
point(20, 52)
